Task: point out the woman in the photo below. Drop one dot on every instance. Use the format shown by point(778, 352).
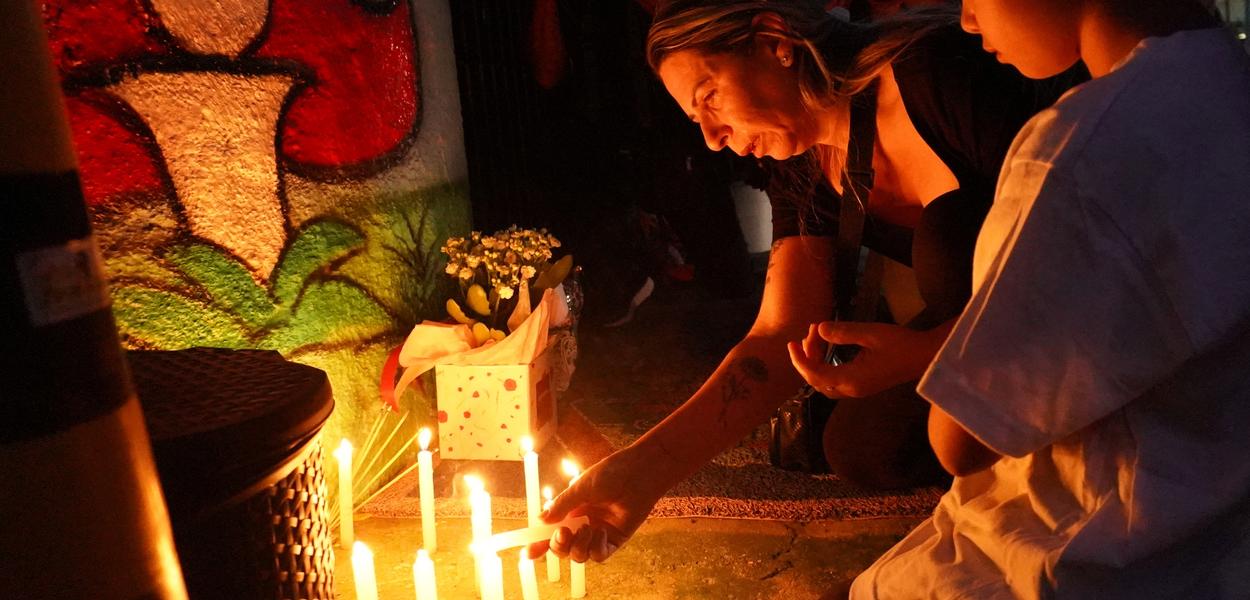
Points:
point(776, 79)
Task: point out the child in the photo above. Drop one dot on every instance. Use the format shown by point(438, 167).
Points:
point(1094, 398)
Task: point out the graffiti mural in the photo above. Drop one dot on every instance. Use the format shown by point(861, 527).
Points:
point(271, 174)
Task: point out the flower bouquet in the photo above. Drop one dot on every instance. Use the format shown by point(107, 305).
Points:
point(498, 275)
point(493, 362)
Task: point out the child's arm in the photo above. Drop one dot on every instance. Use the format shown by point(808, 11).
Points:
point(960, 453)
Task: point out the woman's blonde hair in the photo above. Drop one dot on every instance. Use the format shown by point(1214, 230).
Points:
point(837, 59)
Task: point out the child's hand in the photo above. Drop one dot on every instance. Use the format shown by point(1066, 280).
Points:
point(890, 355)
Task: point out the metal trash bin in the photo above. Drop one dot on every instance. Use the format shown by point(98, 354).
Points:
point(235, 437)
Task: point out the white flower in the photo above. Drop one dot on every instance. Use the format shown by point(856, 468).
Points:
point(466, 273)
point(528, 272)
point(452, 269)
point(505, 292)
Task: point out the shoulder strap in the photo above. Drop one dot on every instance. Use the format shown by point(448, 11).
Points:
point(856, 183)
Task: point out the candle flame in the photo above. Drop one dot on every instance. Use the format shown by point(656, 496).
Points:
point(422, 555)
point(423, 438)
point(344, 451)
point(475, 483)
point(527, 444)
point(570, 468)
point(547, 495)
point(361, 550)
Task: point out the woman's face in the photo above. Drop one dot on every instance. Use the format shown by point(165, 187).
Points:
point(1038, 37)
point(748, 103)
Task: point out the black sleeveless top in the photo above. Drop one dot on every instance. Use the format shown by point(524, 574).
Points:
point(966, 106)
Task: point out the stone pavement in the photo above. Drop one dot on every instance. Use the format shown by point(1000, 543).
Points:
point(669, 558)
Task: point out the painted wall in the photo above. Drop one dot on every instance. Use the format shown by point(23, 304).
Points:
point(270, 174)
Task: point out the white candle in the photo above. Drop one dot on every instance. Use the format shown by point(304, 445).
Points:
point(529, 583)
point(532, 503)
point(553, 561)
point(362, 572)
point(492, 575)
point(480, 519)
point(577, 571)
point(479, 508)
point(347, 533)
point(423, 576)
point(577, 579)
point(425, 485)
point(530, 535)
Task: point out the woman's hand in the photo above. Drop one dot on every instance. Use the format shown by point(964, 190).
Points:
point(889, 355)
point(617, 494)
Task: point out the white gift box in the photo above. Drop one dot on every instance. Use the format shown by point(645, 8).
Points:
point(485, 410)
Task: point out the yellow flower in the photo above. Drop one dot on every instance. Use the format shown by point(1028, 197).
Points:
point(504, 291)
point(466, 273)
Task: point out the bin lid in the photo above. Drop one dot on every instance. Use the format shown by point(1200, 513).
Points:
point(223, 420)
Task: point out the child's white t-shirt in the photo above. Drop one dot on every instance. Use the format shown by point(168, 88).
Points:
point(1106, 350)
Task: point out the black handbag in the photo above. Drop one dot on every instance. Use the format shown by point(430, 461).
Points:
point(797, 428)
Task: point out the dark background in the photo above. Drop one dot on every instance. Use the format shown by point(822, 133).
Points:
point(567, 128)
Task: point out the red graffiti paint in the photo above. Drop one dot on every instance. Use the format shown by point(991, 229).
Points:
point(82, 34)
point(363, 99)
point(113, 160)
point(354, 113)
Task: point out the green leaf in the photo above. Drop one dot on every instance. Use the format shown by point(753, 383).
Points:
point(329, 312)
point(227, 281)
point(165, 319)
point(315, 247)
point(145, 267)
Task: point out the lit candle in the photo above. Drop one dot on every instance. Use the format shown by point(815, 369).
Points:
point(479, 508)
point(425, 484)
point(530, 535)
point(577, 571)
point(553, 561)
point(346, 532)
point(532, 503)
point(479, 518)
point(362, 572)
point(529, 583)
point(423, 576)
point(492, 575)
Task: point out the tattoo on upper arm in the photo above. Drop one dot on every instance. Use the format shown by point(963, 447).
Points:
point(737, 382)
point(772, 261)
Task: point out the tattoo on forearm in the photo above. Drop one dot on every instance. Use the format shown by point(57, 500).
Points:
point(737, 382)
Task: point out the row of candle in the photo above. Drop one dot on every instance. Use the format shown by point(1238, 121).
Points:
point(485, 547)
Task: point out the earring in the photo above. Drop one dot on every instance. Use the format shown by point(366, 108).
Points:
point(785, 60)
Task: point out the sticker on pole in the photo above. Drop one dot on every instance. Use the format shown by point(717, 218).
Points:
point(63, 282)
